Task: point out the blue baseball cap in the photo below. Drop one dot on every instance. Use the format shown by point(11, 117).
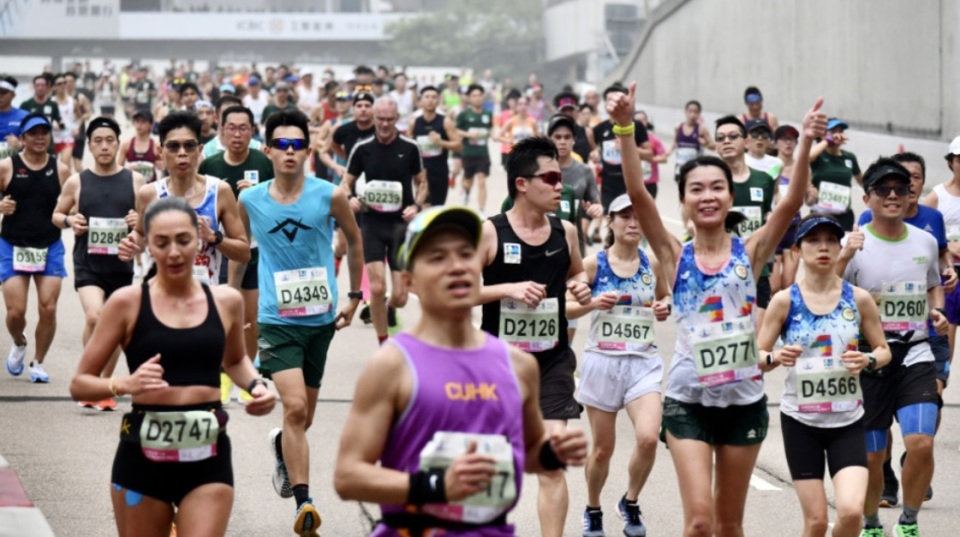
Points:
point(253, 81)
point(753, 98)
point(835, 122)
point(32, 121)
point(807, 226)
point(227, 87)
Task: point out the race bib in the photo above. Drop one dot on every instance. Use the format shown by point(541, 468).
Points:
point(625, 328)
point(6, 150)
point(564, 209)
point(530, 329)
point(611, 153)
point(202, 273)
point(482, 140)
point(834, 198)
point(144, 168)
point(105, 234)
point(428, 149)
point(686, 154)
point(753, 222)
point(903, 307)
point(520, 134)
point(252, 175)
point(303, 292)
point(384, 196)
point(725, 352)
point(953, 233)
point(647, 170)
point(483, 506)
point(27, 259)
point(825, 385)
point(179, 436)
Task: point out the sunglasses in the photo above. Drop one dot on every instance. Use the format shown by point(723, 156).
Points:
point(730, 137)
point(284, 144)
point(175, 147)
point(362, 88)
point(760, 135)
point(884, 190)
point(549, 178)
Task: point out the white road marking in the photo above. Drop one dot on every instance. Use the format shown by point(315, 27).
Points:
point(759, 484)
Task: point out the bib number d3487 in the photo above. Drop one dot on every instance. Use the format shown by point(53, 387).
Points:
point(530, 329)
point(179, 436)
point(725, 352)
point(303, 292)
point(27, 259)
point(833, 197)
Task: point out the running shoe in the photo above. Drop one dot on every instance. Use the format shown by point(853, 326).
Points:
point(394, 326)
point(365, 314)
point(871, 532)
point(630, 513)
point(592, 523)
point(281, 480)
point(891, 487)
point(15, 359)
point(308, 520)
point(906, 530)
point(38, 373)
point(107, 405)
point(225, 386)
point(87, 404)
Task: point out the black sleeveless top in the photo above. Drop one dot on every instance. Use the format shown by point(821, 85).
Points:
point(189, 356)
point(421, 127)
point(36, 193)
point(547, 264)
point(581, 145)
point(103, 197)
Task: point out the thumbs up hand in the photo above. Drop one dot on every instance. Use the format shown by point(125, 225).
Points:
point(815, 122)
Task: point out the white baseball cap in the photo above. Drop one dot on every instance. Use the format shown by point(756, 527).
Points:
point(954, 147)
point(619, 203)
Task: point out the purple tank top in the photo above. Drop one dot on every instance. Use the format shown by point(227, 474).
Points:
point(467, 391)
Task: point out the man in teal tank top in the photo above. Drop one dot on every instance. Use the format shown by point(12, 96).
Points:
point(291, 218)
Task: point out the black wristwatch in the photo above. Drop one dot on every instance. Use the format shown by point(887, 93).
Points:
point(218, 238)
point(355, 295)
point(253, 384)
point(872, 365)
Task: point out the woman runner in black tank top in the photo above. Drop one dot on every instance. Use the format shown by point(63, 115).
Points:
point(176, 334)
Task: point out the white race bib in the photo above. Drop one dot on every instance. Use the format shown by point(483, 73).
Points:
point(428, 149)
point(686, 154)
point(625, 328)
point(384, 196)
point(27, 259)
point(484, 134)
point(825, 385)
point(834, 198)
point(303, 292)
point(953, 233)
point(903, 307)
point(530, 329)
point(753, 222)
point(179, 436)
point(144, 168)
point(725, 352)
point(611, 153)
point(104, 235)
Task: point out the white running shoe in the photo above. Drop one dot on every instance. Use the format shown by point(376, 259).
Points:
point(38, 373)
point(15, 359)
point(281, 480)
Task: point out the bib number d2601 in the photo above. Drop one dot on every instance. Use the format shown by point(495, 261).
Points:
point(903, 307)
point(530, 329)
point(303, 292)
point(27, 259)
point(725, 352)
point(179, 436)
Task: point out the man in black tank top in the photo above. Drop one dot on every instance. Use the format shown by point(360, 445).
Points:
point(103, 200)
point(531, 260)
point(30, 245)
point(348, 134)
point(436, 135)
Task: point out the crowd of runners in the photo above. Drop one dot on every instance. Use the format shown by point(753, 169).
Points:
point(212, 222)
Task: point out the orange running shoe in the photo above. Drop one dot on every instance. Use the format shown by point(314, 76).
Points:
point(107, 405)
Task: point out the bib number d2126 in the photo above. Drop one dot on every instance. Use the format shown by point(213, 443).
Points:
point(530, 329)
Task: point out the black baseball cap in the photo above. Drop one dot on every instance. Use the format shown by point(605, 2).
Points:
point(561, 120)
point(758, 124)
point(143, 114)
point(102, 122)
point(882, 170)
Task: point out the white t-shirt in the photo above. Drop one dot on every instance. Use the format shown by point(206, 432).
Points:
point(892, 271)
point(767, 164)
point(404, 108)
point(257, 105)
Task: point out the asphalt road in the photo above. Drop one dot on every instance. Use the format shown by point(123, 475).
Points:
point(64, 453)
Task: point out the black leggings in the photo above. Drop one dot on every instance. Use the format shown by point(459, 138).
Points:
point(809, 448)
point(437, 185)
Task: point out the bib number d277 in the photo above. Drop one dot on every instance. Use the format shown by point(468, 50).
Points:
point(725, 352)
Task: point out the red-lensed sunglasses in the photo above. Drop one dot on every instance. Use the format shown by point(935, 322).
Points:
point(549, 178)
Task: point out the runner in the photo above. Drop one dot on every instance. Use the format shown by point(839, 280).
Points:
point(567, 103)
point(189, 96)
point(84, 113)
point(712, 409)
point(296, 329)
point(103, 200)
point(208, 121)
point(346, 135)
point(256, 99)
point(282, 100)
point(753, 99)
point(219, 144)
point(821, 409)
point(144, 91)
point(621, 365)
point(786, 261)
point(41, 102)
point(758, 144)
point(690, 139)
point(449, 463)
point(651, 170)
point(242, 168)
point(520, 126)
point(406, 99)
point(139, 153)
point(308, 94)
point(30, 245)
point(833, 172)
point(176, 334)
point(530, 259)
point(502, 119)
point(436, 135)
point(577, 175)
point(396, 190)
point(325, 131)
point(10, 117)
point(474, 126)
point(608, 145)
point(64, 137)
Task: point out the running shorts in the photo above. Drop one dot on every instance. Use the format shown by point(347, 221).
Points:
point(284, 346)
point(735, 425)
point(54, 265)
point(810, 449)
point(608, 383)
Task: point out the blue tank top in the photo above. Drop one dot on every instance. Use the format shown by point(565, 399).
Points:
point(713, 306)
point(206, 266)
point(471, 391)
point(296, 272)
point(627, 329)
point(824, 338)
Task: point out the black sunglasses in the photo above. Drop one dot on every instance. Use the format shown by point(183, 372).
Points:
point(284, 144)
point(884, 190)
point(549, 178)
point(188, 147)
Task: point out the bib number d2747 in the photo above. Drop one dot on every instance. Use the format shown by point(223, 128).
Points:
point(179, 436)
point(27, 259)
point(725, 352)
point(825, 385)
point(530, 329)
point(483, 506)
point(303, 292)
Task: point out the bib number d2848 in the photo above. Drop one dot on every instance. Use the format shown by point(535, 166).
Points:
point(303, 292)
point(105, 234)
point(825, 385)
point(483, 506)
point(725, 352)
point(179, 436)
point(530, 329)
point(753, 222)
point(27, 259)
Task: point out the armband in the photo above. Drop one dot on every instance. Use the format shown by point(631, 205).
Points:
point(624, 131)
point(548, 458)
point(66, 222)
point(427, 487)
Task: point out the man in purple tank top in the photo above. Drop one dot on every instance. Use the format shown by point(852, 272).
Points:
point(450, 412)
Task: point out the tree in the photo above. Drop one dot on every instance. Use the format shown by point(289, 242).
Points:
point(502, 35)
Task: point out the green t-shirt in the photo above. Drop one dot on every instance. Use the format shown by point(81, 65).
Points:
point(271, 108)
point(838, 170)
point(257, 167)
point(753, 198)
point(50, 108)
point(566, 211)
point(470, 121)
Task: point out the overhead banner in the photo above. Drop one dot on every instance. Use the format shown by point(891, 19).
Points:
point(256, 26)
point(59, 19)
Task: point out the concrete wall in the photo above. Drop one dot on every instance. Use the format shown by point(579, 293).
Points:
point(882, 65)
